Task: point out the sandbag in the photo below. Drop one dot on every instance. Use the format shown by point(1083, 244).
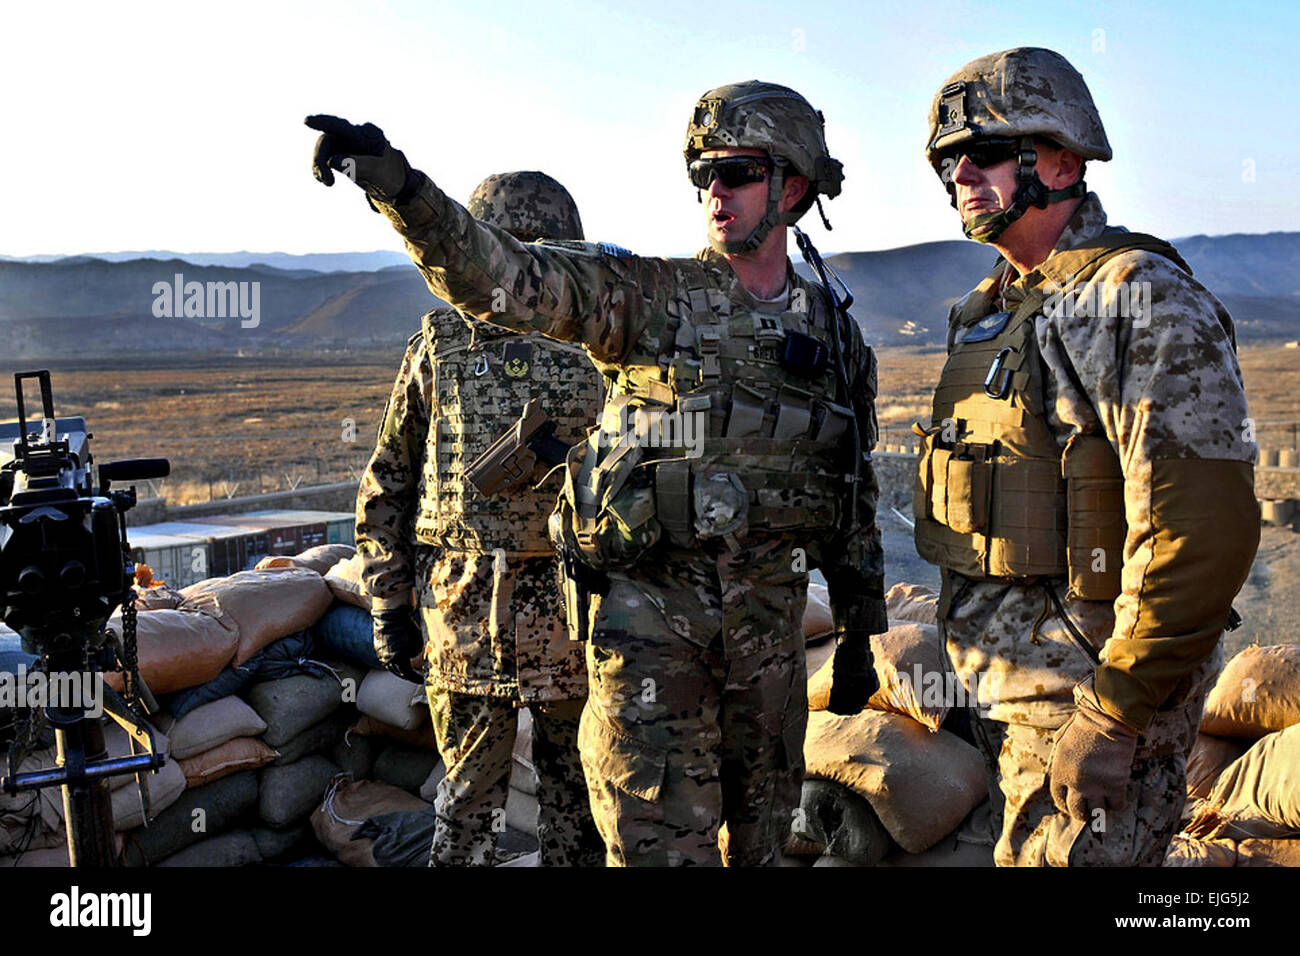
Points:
point(389, 698)
point(260, 606)
point(347, 631)
point(1186, 851)
point(158, 597)
point(521, 812)
point(318, 737)
point(344, 582)
point(289, 793)
point(402, 838)
point(164, 788)
point(32, 818)
point(319, 559)
point(176, 649)
point(817, 621)
point(1210, 756)
point(355, 754)
point(405, 767)
point(948, 852)
point(429, 789)
point(197, 814)
point(912, 602)
point(1258, 795)
point(241, 753)
point(841, 823)
point(920, 784)
point(1257, 693)
point(274, 844)
point(52, 856)
point(291, 705)
point(237, 848)
point(1256, 852)
point(349, 804)
point(211, 725)
point(914, 674)
point(523, 775)
point(283, 658)
point(422, 737)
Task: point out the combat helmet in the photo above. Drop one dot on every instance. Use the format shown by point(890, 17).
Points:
point(527, 204)
point(1018, 94)
point(784, 125)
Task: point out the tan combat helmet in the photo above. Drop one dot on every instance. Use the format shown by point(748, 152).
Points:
point(784, 125)
point(527, 204)
point(1017, 94)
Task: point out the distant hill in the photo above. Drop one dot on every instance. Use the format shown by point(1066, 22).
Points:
point(90, 305)
point(315, 261)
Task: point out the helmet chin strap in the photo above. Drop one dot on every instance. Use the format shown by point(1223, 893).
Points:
point(1030, 191)
point(771, 218)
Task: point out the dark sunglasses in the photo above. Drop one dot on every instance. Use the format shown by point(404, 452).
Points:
point(982, 153)
point(731, 171)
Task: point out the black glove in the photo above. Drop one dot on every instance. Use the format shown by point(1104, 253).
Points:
point(363, 154)
point(853, 676)
point(397, 639)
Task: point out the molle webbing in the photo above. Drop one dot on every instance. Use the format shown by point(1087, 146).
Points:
point(995, 495)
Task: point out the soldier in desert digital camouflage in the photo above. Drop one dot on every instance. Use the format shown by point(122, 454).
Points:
point(479, 564)
point(1086, 478)
point(732, 458)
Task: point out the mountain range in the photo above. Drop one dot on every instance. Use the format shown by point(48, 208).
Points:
point(111, 304)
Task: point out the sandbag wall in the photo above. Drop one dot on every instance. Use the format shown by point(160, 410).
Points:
point(271, 696)
point(897, 784)
point(1243, 776)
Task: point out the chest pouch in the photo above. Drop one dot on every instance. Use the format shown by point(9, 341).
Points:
point(804, 355)
point(1094, 483)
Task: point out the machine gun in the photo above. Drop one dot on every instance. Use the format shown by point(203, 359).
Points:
point(64, 568)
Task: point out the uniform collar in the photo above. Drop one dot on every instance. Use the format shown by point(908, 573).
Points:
point(1087, 223)
point(711, 256)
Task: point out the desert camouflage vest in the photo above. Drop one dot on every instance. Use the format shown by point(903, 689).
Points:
point(482, 379)
point(738, 432)
point(995, 496)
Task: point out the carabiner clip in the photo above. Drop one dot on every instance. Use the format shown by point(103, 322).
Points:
point(481, 367)
point(993, 387)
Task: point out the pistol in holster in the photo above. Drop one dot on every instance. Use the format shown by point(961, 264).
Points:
point(512, 458)
point(578, 580)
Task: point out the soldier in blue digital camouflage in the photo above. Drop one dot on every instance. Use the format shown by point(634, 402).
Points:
point(452, 510)
point(1086, 478)
point(732, 457)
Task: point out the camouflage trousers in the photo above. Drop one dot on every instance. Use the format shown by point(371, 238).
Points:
point(1034, 833)
point(678, 739)
point(476, 735)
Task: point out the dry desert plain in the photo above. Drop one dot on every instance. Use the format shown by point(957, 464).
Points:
point(234, 426)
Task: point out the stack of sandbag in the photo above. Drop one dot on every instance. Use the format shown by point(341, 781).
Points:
point(1243, 776)
point(394, 718)
point(255, 725)
point(889, 784)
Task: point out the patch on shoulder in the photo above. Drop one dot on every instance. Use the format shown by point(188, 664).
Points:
point(986, 328)
point(593, 249)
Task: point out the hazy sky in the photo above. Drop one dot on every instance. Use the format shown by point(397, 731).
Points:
point(179, 126)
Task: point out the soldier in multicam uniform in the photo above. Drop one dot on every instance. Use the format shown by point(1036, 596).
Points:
point(697, 554)
point(1086, 482)
point(480, 566)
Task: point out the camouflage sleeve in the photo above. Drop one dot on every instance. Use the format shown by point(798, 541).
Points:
point(575, 292)
point(854, 561)
point(1168, 392)
point(389, 493)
